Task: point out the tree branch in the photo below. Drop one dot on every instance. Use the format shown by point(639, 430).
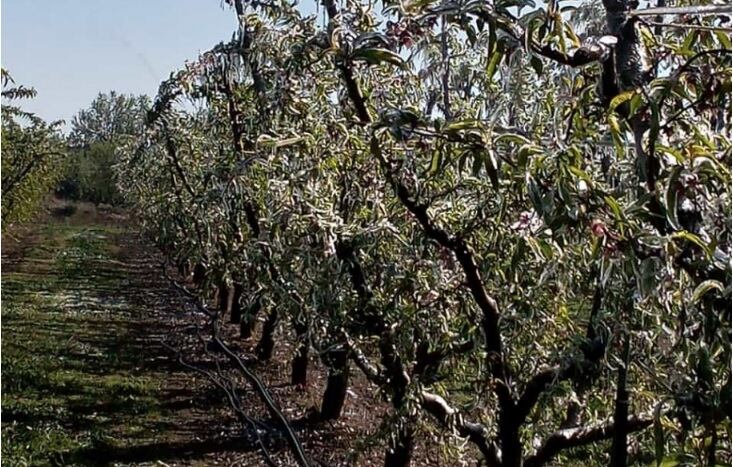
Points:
point(457, 245)
point(352, 87)
point(448, 416)
point(684, 10)
point(593, 351)
point(581, 436)
point(620, 443)
point(362, 362)
point(697, 27)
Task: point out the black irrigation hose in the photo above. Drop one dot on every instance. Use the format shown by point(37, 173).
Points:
point(233, 401)
point(269, 402)
point(253, 379)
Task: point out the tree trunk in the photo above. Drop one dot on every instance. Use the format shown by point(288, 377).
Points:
point(222, 300)
point(621, 413)
point(248, 321)
point(336, 385)
point(235, 308)
point(399, 452)
point(299, 370)
point(711, 457)
point(199, 274)
point(511, 444)
point(247, 327)
point(267, 341)
point(184, 269)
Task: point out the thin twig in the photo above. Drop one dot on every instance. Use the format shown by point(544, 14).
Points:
point(688, 26)
point(684, 10)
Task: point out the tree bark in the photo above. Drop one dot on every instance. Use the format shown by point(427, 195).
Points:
point(621, 413)
point(184, 269)
point(249, 319)
point(299, 368)
point(399, 452)
point(267, 340)
point(336, 385)
point(222, 298)
point(199, 274)
point(711, 457)
point(235, 307)
point(511, 444)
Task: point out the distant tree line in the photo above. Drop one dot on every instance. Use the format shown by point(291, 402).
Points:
point(96, 134)
point(38, 159)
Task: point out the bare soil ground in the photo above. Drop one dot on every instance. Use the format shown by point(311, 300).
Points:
point(89, 378)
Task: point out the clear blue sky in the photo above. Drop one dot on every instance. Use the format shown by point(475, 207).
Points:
point(70, 50)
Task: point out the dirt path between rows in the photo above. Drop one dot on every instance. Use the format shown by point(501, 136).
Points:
point(89, 378)
point(85, 377)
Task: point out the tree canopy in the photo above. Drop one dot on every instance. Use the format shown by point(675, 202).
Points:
point(514, 220)
point(96, 132)
point(32, 151)
point(109, 118)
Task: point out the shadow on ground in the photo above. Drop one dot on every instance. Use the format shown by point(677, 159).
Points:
point(86, 379)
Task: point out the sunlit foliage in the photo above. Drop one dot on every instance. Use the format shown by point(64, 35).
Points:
point(32, 151)
point(520, 234)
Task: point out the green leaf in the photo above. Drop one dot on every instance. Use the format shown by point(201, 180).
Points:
point(691, 237)
point(615, 128)
point(436, 162)
point(615, 207)
point(705, 287)
point(559, 29)
point(669, 462)
point(525, 152)
point(492, 43)
point(493, 62)
point(462, 125)
point(620, 99)
point(518, 254)
point(635, 104)
point(673, 152)
point(541, 248)
point(492, 167)
point(511, 138)
point(580, 173)
point(375, 56)
point(671, 198)
point(574, 39)
point(595, 247)
point(658, 434)
point(723, 38)
point(534, 195)
point(689, 42)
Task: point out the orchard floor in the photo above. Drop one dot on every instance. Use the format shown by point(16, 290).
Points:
point(89, 377)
